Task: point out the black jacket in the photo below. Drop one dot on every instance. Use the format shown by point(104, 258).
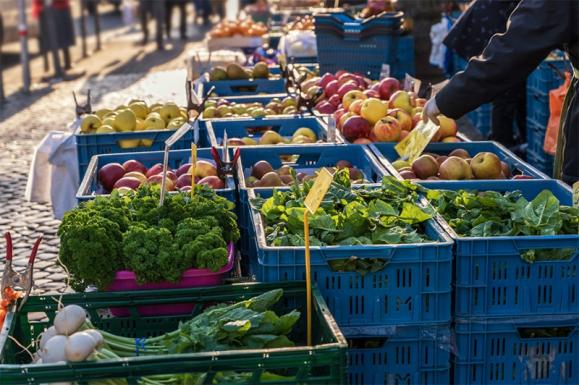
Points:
point(535, 28)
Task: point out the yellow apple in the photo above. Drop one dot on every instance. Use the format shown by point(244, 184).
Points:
point(104, 129)
point(350, 96)
point(373, 110)
point(169, 112)
point(140, 109)
point(102, 113)
point(140, 125)
point(129, 143)
point(125, 121)
point(90, 123)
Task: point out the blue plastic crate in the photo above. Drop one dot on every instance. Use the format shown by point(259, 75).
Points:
point(88, 145)
point(542, 161)
point(255, 127)
point(365, 54)
point(89, 187)
point(242, 87)
point(536, 137)
point(303, 159)
point(538, 108)
point(481, 118)
point(387, 154)
point(491, 277)
point(515, 351)
point(414, 287)
point(410, 355)
point(544, 78)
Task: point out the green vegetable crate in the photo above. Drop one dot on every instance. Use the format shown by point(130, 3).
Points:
point(322, 363)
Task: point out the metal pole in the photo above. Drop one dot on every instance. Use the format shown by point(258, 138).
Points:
point(24, 56)
point(2, 97)
point(83, 27)
point(97, 26)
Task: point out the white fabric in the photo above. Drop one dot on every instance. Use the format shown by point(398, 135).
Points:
point(53, 176)
point(437, 34)
point(299, 44)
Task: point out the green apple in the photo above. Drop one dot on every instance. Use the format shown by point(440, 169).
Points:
point(121, 107)
point(132, 101)
point(102, 113)
point(90, 123)
point(209, 113)
point(154, 122)
point(140, 109)
point(169, 112)
point(109, 121)
point(125, 120)
point(105, 129)
point(140, 126)
point(176, 123)
point(289, 102)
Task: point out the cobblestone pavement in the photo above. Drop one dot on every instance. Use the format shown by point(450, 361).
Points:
point(20, 132)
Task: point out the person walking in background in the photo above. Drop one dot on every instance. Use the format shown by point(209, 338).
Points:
point(182, 7)
point(468, 38)
point(203, 10)
point(152, 9)
point(55, 27)
point(534, 29)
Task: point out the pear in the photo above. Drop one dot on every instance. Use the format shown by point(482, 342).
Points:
point(90, 123)
point(140, 109)
point(270, 137)
point(217, 73)
point(249, 141)
point(169, 112)
point(260, 71)
point(235, 71)
point(125, 121)
point(306, 131)
point(209, 112)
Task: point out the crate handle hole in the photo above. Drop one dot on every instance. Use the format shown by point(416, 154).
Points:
point(544, 332)
point(367, 342)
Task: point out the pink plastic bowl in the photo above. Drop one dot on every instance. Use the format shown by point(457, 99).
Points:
point(125, 280)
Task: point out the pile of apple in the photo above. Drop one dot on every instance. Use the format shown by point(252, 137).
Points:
point(241, 27)
point(367, 111)
point(227, 109)
point(458, 165)
point(132, 174)
point(302, 135)
point(135, 116)
point(264, 175)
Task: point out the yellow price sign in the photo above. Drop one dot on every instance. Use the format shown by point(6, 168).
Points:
point(318, 190)
point(414, 144)
point(576, 194)
point(193, 167)
point(312, 202)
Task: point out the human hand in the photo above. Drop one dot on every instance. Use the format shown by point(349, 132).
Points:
point(431, 111)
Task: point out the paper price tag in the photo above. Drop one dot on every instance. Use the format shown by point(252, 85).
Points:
point(385, 71)
point(576, 194)
point(177, 135)
point(413, 145)
point(193, 167)
point(318, 190)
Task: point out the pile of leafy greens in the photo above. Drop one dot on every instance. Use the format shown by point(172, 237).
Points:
point(491, 213)
point(347, 216)
point(131, 232)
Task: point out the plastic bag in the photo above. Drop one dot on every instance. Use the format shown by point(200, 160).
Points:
point(556, 100)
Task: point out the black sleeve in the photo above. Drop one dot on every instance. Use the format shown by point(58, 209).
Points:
point(534, 29)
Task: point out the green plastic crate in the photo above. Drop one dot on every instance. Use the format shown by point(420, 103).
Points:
point(322, 363)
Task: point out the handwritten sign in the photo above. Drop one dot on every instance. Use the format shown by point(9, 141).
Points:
point(318, 190)
point(414, 144)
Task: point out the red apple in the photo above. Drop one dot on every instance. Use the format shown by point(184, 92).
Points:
point(158, 179)
point(154, 170)
point(331, 88)
point(362, 141)
point(387, 87)
point(356, 106)
point(420, 102)
point(335, 100)
point(325, 107)
point(355, 127)
point(185, 189)
point(344, 78)
point(338, 114)
point(171, 175)
point(128, 181)
point(343, 119)
point(403, 118)
point(371, 94)
point(340, 73)
point(205, 168)
point(183, 169)
point(387, 129)
point(183, 180)
point(134, 165)
point(326, 78)
point(212, 181)
point(109, 174)
point(347, 87)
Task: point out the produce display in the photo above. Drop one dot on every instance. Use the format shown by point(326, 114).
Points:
point(263, 174)
point(347, 216)
point(132, 232)
point(367, 111)
point(375, 7)
point(302, 23)
point(135, 116)
point(223, 108)
point(244, 27)
point(490, 214)
point(234, 71)
point(249, 324)
point(132, 174)
point(8, 298)
point(458, 165)
point(269, 137)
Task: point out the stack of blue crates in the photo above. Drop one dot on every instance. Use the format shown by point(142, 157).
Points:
point(397, 319)
point(363, 46)
point(516, 322)
point(544, 79)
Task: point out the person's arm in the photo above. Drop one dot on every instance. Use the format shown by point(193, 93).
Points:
point(534, 29)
